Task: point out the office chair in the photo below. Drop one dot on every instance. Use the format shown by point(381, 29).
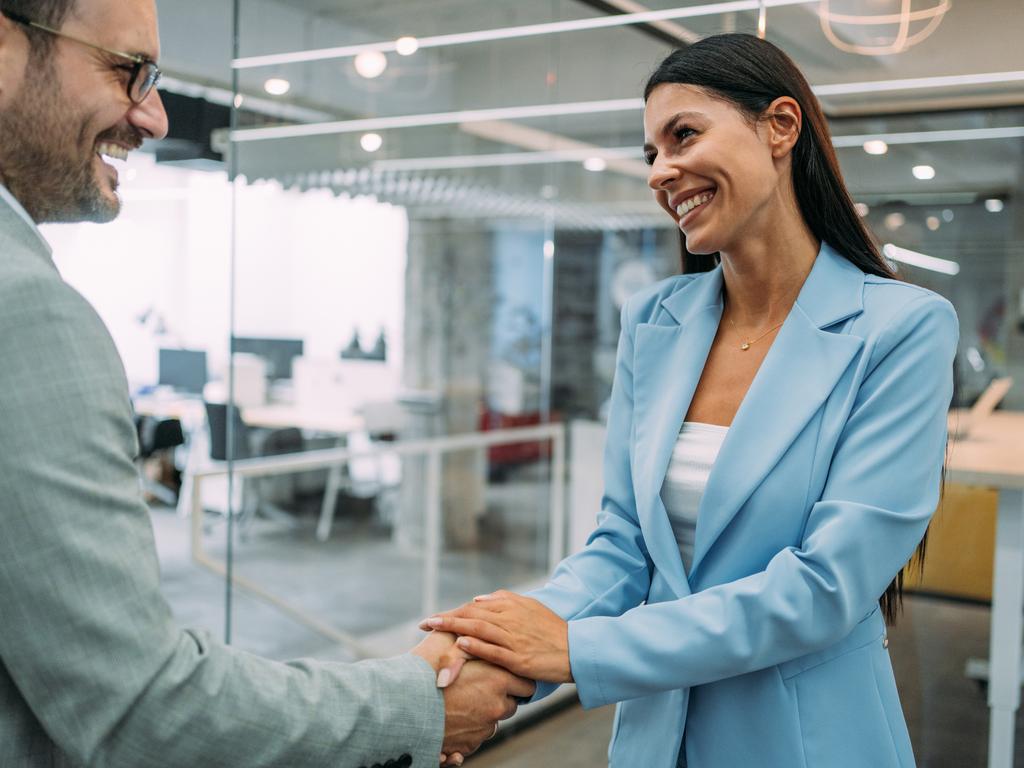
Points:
point(156, 436)
point(248, 443)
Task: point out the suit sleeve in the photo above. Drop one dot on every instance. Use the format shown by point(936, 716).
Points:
point(87, 637)
point(881, 491)
point(613, 572)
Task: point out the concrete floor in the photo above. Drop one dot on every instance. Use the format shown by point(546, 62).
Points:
point(363, 584)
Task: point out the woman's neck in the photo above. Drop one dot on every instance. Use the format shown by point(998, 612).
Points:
point(764, 274)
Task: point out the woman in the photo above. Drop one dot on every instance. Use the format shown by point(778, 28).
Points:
point(774, 454)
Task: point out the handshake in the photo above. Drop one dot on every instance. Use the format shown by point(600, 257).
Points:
point(487, 655)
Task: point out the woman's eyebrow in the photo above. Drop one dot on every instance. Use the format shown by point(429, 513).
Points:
point(670, 126)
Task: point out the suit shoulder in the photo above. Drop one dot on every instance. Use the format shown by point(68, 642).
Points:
point(643, 305)
point(889, 302)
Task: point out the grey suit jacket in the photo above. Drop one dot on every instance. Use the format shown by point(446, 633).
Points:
point(93, 672)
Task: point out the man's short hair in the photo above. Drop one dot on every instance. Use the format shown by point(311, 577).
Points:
point(51, 13)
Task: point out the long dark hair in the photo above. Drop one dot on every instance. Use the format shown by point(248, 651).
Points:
point(751, 73)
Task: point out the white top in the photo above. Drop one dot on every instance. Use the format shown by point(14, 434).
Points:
point(692, 458)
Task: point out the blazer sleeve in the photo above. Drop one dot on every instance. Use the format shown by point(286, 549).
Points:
point(881, 490)
point(88, 639)
point(612, 573)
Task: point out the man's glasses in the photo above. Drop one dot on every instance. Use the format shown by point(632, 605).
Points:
point(145, 74)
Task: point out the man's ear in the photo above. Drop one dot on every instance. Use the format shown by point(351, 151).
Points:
point(784, 119)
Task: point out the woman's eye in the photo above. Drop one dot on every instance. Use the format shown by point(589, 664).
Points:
point(649, 157)
point(683, 133)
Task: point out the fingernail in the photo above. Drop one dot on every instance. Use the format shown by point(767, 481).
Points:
point(457, 759)
point(483, 597)
point(434, 621)
point(444, 678)
point(462, 642)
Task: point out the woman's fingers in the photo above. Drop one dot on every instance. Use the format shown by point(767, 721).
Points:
point(484, 629)
point(522, 688)
point(495, 654)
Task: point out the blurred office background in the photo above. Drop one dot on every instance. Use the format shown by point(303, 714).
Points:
point(367, 298)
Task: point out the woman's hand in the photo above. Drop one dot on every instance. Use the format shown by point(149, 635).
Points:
point(511, 631)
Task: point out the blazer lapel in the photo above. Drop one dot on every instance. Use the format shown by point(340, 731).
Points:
point(668, 361)
point(796, 377)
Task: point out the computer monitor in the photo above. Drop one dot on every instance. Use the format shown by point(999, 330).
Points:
point(183, 369)
point(278, 353)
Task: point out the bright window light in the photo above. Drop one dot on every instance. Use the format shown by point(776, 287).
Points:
point(549, 249)
point(923, 172)
point(595, 164)
point(371, 142)
point(876, 147)
point(933, 223)
point(993, 205)
point(277, 86)
point(371, 64)
point(895, 253)
point(407, 46)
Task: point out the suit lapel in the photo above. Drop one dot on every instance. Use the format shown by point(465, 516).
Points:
point(796, 377)
point(668, 363)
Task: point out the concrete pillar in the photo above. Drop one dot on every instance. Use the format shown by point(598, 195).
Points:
point(448, 306)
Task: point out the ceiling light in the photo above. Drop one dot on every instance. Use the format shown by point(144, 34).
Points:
point(993, 205)
point(947, 215)
point(933, 223)
point(371, 64)
point(895, 253)
point(549, 249)
point(407, 46)
point(862, 209)
point(595, 164)
point(902, 22)
point(509, 33)
point(277, 86)
point(876, 147)
point(894, 221)
point(371, 142)
point(923, 172)
point(239, 100)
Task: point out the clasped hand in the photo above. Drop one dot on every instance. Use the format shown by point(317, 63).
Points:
point(484, 695)
point(511, 631)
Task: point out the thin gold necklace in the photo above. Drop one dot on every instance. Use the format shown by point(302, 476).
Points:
point(746, 344)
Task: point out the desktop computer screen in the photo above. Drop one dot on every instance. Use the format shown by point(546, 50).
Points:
point(183, 369)
point(279, 353)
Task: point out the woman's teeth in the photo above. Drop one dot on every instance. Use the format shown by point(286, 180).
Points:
point(114, 151)
point(688, 205)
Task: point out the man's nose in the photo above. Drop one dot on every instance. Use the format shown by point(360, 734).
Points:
point(150, 117)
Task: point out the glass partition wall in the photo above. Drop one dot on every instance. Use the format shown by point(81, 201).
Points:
point(437, 209)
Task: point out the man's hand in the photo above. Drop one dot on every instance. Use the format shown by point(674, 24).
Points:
point(483, 695)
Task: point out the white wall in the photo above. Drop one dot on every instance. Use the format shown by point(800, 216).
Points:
point(309, 265)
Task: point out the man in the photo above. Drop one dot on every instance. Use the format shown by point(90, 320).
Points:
point(92, 670)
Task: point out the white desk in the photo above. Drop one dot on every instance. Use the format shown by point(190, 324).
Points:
point(993, 456)
point(281, 416)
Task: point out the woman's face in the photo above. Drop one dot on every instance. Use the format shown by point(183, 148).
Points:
point(711, 169)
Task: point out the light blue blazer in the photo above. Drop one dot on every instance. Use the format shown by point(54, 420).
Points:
point(771, 652)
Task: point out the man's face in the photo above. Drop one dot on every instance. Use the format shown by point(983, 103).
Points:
point(71, 105)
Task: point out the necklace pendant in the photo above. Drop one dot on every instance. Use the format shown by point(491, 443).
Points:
point(745, 346)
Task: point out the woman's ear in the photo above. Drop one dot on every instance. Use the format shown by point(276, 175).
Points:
point(784, 119)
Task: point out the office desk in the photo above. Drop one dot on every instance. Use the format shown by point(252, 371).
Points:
point(332, 421)
point(993, 455)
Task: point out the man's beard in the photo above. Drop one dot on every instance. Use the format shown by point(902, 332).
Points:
point(39, 155)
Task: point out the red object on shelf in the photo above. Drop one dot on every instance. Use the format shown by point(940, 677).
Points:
point(515, 453)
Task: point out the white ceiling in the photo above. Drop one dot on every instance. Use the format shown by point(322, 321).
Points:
point(977, 36)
